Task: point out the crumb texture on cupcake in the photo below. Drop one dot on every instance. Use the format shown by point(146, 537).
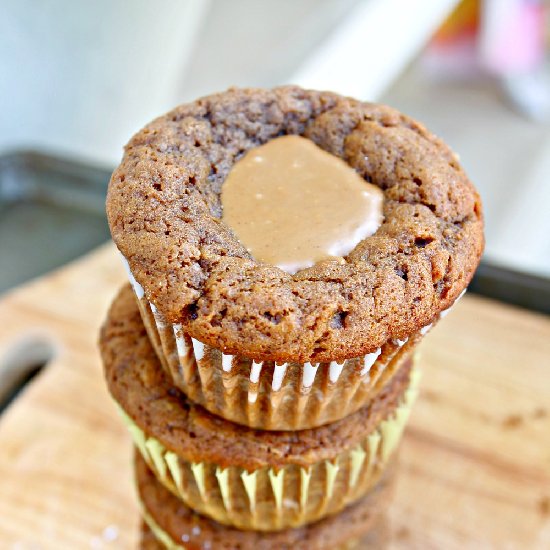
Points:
point(165, 212)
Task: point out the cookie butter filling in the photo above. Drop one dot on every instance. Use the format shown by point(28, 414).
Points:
point(292, 204)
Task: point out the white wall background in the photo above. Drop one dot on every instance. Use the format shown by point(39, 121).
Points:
point(79, 78)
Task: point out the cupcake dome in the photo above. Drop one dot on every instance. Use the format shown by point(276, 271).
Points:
point(164, 211)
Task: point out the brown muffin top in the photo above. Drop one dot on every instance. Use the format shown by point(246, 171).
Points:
point(164, 212)
point(196, 532)
point(138, 383)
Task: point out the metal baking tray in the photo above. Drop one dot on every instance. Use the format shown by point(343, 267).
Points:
point(513, 287)
point(52, 210)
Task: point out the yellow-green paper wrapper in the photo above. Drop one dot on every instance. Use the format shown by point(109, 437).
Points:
point(267, 499)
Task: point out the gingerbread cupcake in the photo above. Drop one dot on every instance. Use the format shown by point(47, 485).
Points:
point(290, 248)
point(169, 523)
point(236, 475)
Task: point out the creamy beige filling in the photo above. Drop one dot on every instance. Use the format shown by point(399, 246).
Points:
point(291, 204)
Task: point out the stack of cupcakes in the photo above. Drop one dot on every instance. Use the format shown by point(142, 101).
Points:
point(266, 407)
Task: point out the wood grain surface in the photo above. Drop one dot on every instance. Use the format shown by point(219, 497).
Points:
point(475, 464)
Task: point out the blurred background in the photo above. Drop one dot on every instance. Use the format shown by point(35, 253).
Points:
point(79, 78)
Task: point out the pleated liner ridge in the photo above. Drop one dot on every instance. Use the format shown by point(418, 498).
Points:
point(270, 499)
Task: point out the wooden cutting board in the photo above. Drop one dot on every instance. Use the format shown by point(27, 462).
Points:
point(475, 463)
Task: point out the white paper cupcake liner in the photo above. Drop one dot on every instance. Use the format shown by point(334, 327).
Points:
point(268, 395)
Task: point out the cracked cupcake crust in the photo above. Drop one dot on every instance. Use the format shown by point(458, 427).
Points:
point(164, 212)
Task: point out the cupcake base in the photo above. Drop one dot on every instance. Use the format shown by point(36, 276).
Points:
point(169, 523)
point(268, 395)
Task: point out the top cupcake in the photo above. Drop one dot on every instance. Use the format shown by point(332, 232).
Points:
point(164, 209)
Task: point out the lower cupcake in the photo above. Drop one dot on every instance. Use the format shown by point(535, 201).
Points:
point(169, 523)
point(236, 475)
